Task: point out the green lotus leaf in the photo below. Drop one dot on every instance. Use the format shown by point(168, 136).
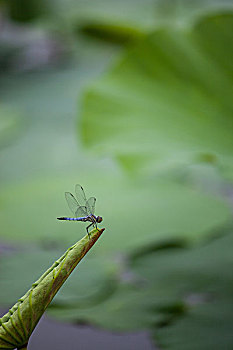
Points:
point(204, 327)
point(168, 102)
point(127, 19)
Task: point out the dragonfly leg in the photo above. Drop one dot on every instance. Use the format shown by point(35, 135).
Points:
point(88, 228)
point(95, 224)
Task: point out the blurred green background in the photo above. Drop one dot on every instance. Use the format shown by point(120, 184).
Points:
point(133, 100)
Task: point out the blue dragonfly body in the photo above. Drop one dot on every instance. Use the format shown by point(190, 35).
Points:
point(82, 207)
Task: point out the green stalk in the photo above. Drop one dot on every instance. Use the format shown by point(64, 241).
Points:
point(18, 324)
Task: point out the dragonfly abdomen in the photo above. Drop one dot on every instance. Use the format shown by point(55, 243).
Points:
point(74, 219)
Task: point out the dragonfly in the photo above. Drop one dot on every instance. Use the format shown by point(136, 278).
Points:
point(82, 208)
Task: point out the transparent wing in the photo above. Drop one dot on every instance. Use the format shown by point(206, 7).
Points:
point(80, 195)
point(90, 204)
point(71, 201)
point(81, 211)
point(82, 199)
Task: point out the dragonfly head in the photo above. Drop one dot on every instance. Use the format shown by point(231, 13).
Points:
point(99, 219)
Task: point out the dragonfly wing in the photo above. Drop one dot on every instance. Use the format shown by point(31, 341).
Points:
point(81, 211)
point(71, 201)
point(80, 195)
point(90, 204)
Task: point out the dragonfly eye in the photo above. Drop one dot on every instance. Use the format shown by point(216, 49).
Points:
point(99, 219)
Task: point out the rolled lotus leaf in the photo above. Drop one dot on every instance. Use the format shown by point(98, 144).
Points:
point(17, 325)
